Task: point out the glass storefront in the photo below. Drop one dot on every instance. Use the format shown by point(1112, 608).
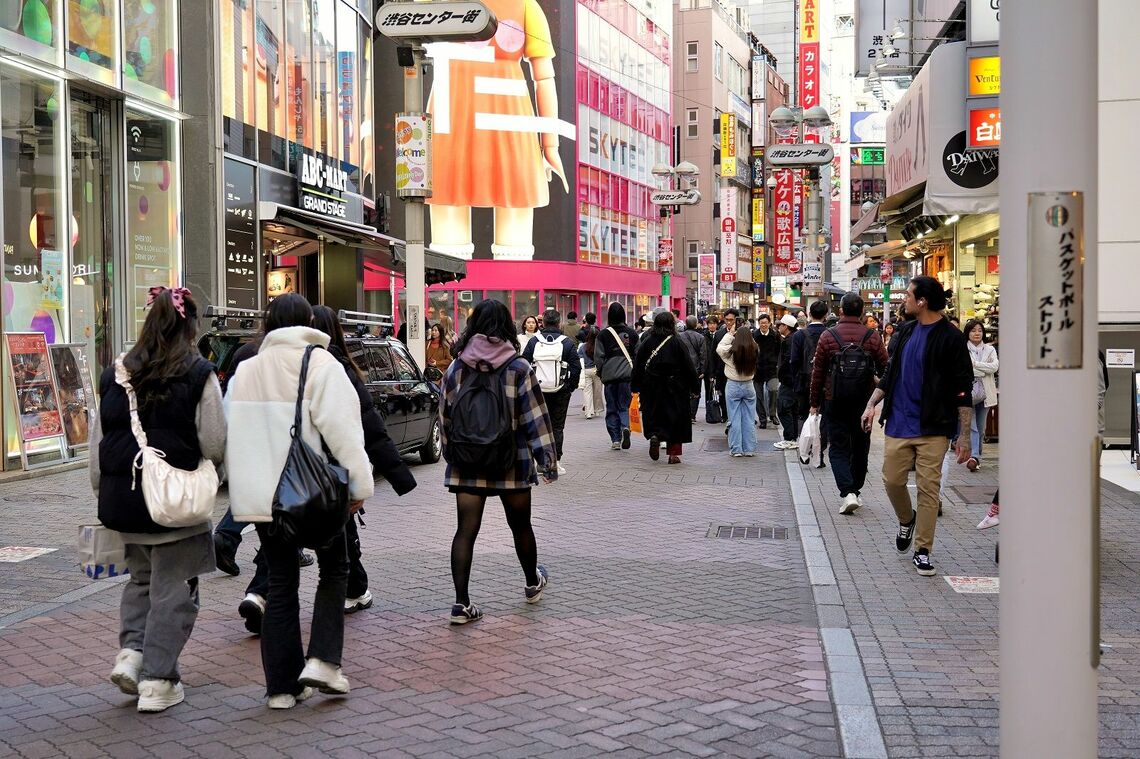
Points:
point(91, 203)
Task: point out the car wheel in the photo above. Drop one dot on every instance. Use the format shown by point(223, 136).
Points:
point(432, 448)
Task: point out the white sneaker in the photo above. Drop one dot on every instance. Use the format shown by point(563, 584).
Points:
point(561, 469)
point(989, 521)
point(252, 610)
point(850, 503)
point(323, 676)
point(288, 700)
point(159, 695)
point(128, 664)
point(356, 604)
point(792, 445)
point(780, 445)
point(615, 446)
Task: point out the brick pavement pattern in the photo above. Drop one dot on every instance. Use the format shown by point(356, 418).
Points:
point(653, 638)
point(930, 654)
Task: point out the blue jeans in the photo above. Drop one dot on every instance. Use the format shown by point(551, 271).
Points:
point(230, 530)
point(978, 429)
point(618, 396)
point(741, 397)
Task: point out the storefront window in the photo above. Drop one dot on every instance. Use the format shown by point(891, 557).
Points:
point(439, 305)
point(324, 77)
point(299, 75)
point(526, 304)
point(153, 210)
point(34, 226)
point(32, 27)
point(238, 59)
point(93, 29)
point(272, 100)
point(150, 49)
point(503, 296)
point(468, 299)
point(367, 166)
point(348, 83)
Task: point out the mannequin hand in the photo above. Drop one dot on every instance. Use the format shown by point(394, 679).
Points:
point(554, 166)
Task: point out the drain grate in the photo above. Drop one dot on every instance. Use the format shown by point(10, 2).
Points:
point(715, 444)
point(747, 531)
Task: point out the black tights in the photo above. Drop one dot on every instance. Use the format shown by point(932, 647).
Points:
point(470, 511)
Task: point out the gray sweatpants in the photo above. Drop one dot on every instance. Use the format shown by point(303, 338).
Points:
point(160, 601)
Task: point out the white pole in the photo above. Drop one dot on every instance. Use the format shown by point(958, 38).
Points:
point(414, 225)
point(1049, 475)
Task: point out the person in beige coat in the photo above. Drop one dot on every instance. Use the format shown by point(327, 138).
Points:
point(984, 357)
point(260, 406)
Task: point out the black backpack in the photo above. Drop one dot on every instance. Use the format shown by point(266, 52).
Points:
point(481, 435)
point(852, 371)
point(803, 379)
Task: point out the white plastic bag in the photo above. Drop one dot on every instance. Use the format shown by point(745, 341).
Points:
point(101, 552)
point(810, 445)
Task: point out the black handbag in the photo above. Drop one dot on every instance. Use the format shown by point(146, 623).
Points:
point(310, 506)
point(713, 411)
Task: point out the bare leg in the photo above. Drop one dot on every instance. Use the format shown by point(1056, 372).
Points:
point(514, 234)
point(451, 230)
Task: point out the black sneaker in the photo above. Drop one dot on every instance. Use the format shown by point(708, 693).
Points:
point(654, 448)
point(922, 563)
point(224, 558)
point(534, 592)
point(305, 559)
point(906, 535)
point(461, 615)
point(625, 441)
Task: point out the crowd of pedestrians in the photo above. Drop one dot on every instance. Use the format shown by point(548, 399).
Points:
point(505, 392)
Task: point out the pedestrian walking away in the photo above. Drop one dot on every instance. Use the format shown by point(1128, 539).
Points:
point(738, 351)
point(593, 401)
point(178, 403)
point(804, 343)
point(848, 360)
point(497, 438)
point(696, 345)
point(557, 367)
point(984, 391)
point(261, 410)
point(664, 378)
point(786, 374)
point(613, 356)
point(382, 453)
point(926, 396)
point(768, 357)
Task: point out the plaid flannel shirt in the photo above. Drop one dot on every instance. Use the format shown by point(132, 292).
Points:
point(534, 436)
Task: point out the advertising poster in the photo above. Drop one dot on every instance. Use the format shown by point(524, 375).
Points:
point(76, 395)
point(51, 279)
point(281, 281)
point(32, 381)
point(413, 160)
point(706, 277)
point(727, 145)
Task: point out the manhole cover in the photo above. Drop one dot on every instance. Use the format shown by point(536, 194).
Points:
point(747, 531)
point(975, 494)
point(38, 498)
point(715, 444)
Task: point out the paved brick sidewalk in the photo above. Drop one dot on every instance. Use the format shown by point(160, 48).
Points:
point(653, 638)
point(931, 654)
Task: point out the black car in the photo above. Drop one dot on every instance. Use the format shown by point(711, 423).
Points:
point(408, 402)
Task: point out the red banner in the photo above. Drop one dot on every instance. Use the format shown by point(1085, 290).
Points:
point(809, 74)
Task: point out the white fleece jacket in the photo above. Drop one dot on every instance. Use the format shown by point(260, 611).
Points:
point(260, 405)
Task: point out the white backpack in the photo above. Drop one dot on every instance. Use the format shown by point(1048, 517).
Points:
point(551, 370)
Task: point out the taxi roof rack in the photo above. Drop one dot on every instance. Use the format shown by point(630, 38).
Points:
point(246, 318)
point(364, 321)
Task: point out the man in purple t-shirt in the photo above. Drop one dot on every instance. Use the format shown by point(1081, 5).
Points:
point(927, 393)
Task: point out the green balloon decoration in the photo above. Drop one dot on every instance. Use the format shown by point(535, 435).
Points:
point(36, 22)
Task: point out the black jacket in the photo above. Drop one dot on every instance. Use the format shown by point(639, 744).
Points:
point(947, 377)
point(768, 354)
point(608, 356)
point(170, 426)
point(697, 346)
point(569, 355)
point(386, 460)
point(785, 371)
point(665, 384)
point(715, 363)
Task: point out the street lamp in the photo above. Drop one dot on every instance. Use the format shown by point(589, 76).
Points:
point(683, 177)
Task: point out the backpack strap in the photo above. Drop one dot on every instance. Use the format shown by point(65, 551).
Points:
point(621, 345)
point(866, 335)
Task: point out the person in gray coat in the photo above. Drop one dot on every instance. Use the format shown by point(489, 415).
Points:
point(696, 345)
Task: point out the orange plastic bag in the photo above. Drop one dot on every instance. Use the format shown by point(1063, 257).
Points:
point(635, 414)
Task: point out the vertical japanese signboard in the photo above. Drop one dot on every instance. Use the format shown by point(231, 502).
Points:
point(706, 277)
point(727, 234)
point(809, 54)
point(1056, 280)
point(727, 145)
point(785, 243)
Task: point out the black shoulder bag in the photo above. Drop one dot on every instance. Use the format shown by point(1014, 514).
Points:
point(310, 506)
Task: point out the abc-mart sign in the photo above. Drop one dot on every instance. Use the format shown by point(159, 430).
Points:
point(317, 180)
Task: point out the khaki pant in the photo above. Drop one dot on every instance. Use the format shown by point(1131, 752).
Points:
point(925, 455)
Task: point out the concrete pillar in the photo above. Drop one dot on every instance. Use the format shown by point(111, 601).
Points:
point(1049, 452)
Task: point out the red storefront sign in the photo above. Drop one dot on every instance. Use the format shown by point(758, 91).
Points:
point(784, 249)
point(985, 128)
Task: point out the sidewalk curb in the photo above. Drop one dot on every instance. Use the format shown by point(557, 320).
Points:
point(90, 589)
point(859, 729)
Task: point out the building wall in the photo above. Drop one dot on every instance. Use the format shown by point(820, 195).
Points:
point(773, 22)
point(1119, 165)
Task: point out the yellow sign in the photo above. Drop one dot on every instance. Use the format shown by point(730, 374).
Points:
point(985, 76)
point(809, 21)
point(727, 145)
point(758, 265)
point(758, 218)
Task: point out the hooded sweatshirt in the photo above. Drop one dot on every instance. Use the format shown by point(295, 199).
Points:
point(613, 366)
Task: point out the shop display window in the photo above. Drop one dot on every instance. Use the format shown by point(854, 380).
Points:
point(150, 49)
point(526, 304)
point(93, 38)
point(32, 27)
point(299, 74)
point(272, 99)
point(236, 21)
point(440, 303)
point(348, 92)
point(324, 102)
point(367, 122)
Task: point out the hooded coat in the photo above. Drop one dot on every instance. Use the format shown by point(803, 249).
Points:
point(664, 377)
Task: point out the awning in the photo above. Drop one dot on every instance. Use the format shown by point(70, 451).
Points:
point(865, 222)
point(384, 251)
point(885, 249)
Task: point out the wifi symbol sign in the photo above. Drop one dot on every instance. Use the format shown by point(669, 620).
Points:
point(136, 133)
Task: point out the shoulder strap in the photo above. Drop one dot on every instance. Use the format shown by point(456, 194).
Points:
point(296, 429)
point(656, 350)
point(620, 344)
point(123, 379)
point(866, 335)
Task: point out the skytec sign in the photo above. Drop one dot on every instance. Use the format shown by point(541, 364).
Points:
point(317, 182)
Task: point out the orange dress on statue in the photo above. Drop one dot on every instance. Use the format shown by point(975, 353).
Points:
point(489, 157)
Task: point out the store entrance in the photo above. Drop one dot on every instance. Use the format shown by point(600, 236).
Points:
point(93, 272)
